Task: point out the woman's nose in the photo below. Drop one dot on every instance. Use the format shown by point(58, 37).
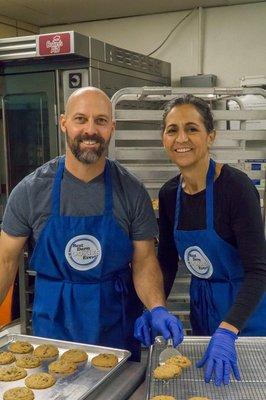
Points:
point(181, 136)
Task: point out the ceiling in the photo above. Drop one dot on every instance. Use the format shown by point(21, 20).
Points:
point(56, 12)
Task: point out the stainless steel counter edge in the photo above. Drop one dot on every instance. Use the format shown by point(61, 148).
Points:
point(123, 384)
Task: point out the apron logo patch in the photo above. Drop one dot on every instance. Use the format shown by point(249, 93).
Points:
point(198, 263)
point(83, 252)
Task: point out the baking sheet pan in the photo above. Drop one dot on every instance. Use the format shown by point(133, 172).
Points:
point(77, 386)
point(252, 363)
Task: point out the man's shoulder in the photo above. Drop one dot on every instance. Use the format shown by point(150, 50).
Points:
point(45, 172)
point(124, 175)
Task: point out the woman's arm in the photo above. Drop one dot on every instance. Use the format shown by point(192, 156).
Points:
point(167, 253)
point(247, 225)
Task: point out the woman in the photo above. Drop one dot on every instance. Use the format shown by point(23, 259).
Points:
point(210, 217)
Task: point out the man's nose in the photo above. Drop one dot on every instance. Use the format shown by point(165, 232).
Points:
point(89, 127)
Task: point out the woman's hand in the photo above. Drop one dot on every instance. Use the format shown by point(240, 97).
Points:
point(220, 357)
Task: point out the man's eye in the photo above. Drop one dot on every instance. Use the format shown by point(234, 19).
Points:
point(101, 121)
point(80, 119)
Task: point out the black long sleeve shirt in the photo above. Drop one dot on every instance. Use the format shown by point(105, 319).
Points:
point(237, 220)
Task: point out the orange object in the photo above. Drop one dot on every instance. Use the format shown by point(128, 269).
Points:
point(6, 309)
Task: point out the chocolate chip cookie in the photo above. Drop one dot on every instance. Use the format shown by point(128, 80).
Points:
point(12, 373)
point(46, 352)
point(75, 355)
point(20, 347)
point(62, 368)
point(163, 397)
point(7, 357)
point(105, 360)
point(40, 381)
point(28, 361)
point(181, 361)
point(167, 371)
point(18, 393)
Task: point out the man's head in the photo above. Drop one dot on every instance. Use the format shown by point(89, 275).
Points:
point(88, 124)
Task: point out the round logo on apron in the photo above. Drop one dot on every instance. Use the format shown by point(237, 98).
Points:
point(197, 262)
point(83, 252)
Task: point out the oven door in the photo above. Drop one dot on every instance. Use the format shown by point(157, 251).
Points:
point(29, 131)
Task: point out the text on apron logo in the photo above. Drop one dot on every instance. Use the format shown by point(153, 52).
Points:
point(83, 252)
point(197, 262)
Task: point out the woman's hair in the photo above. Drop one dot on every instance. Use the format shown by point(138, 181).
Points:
point(201, 106)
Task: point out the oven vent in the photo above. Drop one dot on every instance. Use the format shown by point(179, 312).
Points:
point(18, 47)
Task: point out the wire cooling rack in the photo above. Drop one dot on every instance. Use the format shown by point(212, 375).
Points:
point(252, 364)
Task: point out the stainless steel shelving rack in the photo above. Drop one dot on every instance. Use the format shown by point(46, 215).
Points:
point(137, 145)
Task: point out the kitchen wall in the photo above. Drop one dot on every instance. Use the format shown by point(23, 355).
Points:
point(10, 27)
point(233, 40)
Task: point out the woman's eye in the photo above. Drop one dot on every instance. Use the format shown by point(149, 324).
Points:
point(192, 129)
point(171, 131)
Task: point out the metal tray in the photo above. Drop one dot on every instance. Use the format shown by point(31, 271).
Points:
point(82, 384)
point(252, 363)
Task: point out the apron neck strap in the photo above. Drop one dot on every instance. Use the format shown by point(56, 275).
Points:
point(209, 194)
point(108, 208)
point(56, 191)
point(209, 197)
point(178, 201)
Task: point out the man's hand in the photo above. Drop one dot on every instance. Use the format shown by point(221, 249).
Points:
point(142, 329)
point(167, 325)
point(220, 357)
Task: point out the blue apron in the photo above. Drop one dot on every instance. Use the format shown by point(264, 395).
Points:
point(217, 272)
point(84, 290)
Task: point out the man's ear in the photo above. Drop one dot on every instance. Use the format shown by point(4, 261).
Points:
point(113, 127)
point(63, 123)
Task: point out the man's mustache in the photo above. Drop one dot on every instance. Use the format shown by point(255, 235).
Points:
point(95, 137)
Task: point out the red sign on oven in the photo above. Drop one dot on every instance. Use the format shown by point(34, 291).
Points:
point(54, 44)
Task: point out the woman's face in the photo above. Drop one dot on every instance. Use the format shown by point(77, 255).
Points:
point(185, 137)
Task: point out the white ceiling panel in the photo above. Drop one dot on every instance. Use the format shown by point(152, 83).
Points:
point(56, 12)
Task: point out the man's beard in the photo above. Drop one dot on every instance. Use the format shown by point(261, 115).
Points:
point(87, 156)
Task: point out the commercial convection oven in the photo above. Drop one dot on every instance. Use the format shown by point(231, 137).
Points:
point(37, 74)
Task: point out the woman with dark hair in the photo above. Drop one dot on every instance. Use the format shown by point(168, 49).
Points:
point(210, 217)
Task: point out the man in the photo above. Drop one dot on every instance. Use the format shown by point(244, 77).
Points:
point(92, 228)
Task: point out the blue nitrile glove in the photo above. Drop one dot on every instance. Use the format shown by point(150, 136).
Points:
point(142, 329)
point(166, 324)
point(220, 357)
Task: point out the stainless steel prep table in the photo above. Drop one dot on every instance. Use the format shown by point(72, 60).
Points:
point(124, 385)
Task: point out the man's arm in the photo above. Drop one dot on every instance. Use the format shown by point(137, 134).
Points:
point(147, 275)
point(10, 250)
point(148, 281)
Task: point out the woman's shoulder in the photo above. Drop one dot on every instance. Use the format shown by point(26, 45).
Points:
point(235, 185)
point(170, 186)
point(233, 176)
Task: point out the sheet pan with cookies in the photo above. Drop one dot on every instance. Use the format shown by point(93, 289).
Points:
point(179, 379)
point(33, 368)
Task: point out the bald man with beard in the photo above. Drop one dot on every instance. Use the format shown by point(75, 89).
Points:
point(91, 226)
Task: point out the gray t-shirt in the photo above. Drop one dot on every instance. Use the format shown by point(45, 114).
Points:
point(29, 204)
